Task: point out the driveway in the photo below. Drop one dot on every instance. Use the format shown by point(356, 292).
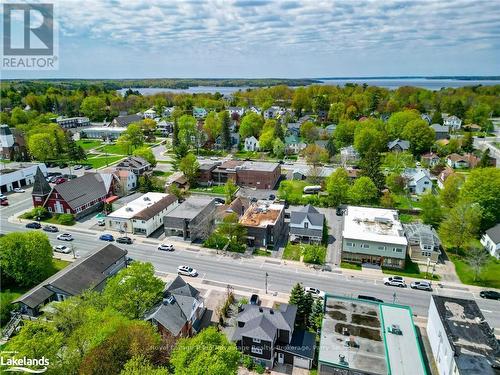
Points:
point(335, 226)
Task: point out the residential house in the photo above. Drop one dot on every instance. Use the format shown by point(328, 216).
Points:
point(389, 346)
point(134, 164)
point(271, 112)
point(89, 272)
point(125, 120)
point(193, 219)
point(457, 161)
point(251, 144)
point(180, 312)
point(205, 173)
point(199, 113)
point(472, 128)
point(491, 241)
point(306, 225)
point(254, 110)
point(6, 141)
point(78, 197)
point(178, 179)
point(441, 131)
point(309, 172)
point(265, 224)
point(431, 159)
point(461, 340)
point(423, 242)
point(293, 129)
point(453, 122)
point(445, 173)
point(349, 155)
point(330, 129)
point(418, 180)
point(165, 127)
point(293, 144)
point(143, 215)
point(373, 235)
point(304, 119)
point(12, 178)
point(128, 181)
point(150, 113)
point(72, 122)
point(398, 145)
point(167, 112)
point(222, 172)
point(12, 144)
point(426, 117)
point(103, 132)
point(236, 113)
point(268, 336)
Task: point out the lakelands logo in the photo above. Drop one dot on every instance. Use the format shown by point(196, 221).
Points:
point(30, 39)
point(24, 364)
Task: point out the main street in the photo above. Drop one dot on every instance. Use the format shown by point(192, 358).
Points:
point(250, 272)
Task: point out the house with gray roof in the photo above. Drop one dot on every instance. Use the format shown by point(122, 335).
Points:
point(491, 241)
point(134, 164)
point(268, 335)
point(124, 121)
point(398, 145)
point(90, 272)
point(418, 180)
point(441, 131)
point(423, 242)
point(306, 225)
point(180, 312)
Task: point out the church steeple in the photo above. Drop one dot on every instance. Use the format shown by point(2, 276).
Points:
point(41, 189)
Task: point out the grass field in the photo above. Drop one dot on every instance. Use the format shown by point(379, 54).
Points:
point(219, 190)
point(403, 201)
point(262, 253)
point(113, 149)
point(411, 270)
point(88, 144)
point(292, 252)
point(350, 266)
point(101, 161)
point(489, 276)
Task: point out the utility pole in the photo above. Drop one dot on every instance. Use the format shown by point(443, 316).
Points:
point(394, 297)
point(427, 270)
point(73, 251)
point(267, 275)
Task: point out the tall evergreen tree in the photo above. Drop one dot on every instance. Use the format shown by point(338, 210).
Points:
point(175, 134)
point(297, 295)
point(485, 159)
point(225, 130)
point(316, 316)
point(370, 165)
point(278, 131)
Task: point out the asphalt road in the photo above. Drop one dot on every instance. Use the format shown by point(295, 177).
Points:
point(250, 272)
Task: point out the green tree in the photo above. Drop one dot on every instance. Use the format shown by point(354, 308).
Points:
point(278, 148)
point(42, 146)
point(468, 142)
point(450, 193)
point(94, 108)
point(209, 350)
point(432, 213)
point(140, 365)
point(420, 135)
point(331, 147)
point(336, 112)
point(396, 183)
point(315, 154)
point(397, 162)
point(337, 186)
point(124, 143)
point(301, 101)
point(344, 133)
point(298, 298)
point(482, 186)
point(309, 131)
point(189, 166)
point(387, 200)
point(366, 139)
point(18, 116)
point(225, 130)
point(437, 118)
point(485, 161)
point(147, 154)
point(134, 290)
point(230, 189)
point(316, 316)
point(187, 129)
point(25, 258)
point(363, 191)
point(278, 131)
point(458, 109)
point(231, 229)
point(251, 124)
point(371, 167)
point(480, 114)
point(266, 140)
point(477, 259)
point(212, 126)
point(460, 225)
point(135, 135)
point(398, 121)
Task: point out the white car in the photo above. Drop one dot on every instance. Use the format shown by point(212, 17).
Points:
point(3, 196)
point(422, 285)
point(395, 281)
point(62, 249)
point(65, 237)
point(166, 247)
point(187, 271)
point(315, 292)
point(19, 190)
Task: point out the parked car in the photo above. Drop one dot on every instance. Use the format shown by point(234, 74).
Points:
point(4, 202)
point(422, 285)
point(129, 260)
point(254, 299)
point(2, 197)
point(272, 197)
point(33, 225)
point(59, 180)
point(106, 237)
point(370, 298)
point(489, 294)
point(77, 167)
point(50, 228)
point(87, 167)
point(65, 237)
point(315, 292)
point(187, 271)
point(395, 281)
point(125, 240)
point(62, 249)
point(19, 190)
point(101, 222)
point(166, 247)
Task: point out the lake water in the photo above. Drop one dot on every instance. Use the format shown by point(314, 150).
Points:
point(394, 83)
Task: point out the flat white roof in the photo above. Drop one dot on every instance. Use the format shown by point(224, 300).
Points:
point(137, 205)
point(404, 354)
point(373, 224)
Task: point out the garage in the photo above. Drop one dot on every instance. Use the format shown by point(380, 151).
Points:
point(301, 362)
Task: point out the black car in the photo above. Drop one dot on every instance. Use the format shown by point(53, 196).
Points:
point(370, 298)
point(490, 294)
point(50, 228)
point(87, 167)
point(125, 240)
point(254, 299)
point(272, 197)
point(33, 225)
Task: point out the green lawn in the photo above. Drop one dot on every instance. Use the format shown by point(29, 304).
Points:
point(407, 218)
point(403, 201)
point(411, 270)
point(217, 189)
point(262, 253)
point(161, 173)
point(292, 252)
point(101, 161)
point(88, 144)
point(489, 276)
point(113, 149)
point(350, 266)
point(293, 191)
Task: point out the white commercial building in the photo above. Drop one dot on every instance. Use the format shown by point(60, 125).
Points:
point(18, 177)
point(143, 215)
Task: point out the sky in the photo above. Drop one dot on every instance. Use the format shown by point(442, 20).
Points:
point(269, 38)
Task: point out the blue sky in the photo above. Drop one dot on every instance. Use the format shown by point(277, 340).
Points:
point(266, 38)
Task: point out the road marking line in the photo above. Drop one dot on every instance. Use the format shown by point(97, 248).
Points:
point(487, 311)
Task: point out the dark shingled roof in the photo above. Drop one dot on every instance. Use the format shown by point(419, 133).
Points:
point(82, 190)
point(40, 186)
point(303, 344)
point(85, 273)
point(127, 120)
point(494, 233)
point(312, 214)
point(155, 208)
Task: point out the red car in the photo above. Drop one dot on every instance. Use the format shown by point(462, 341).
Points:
point(4, 202)
point(60, 180)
